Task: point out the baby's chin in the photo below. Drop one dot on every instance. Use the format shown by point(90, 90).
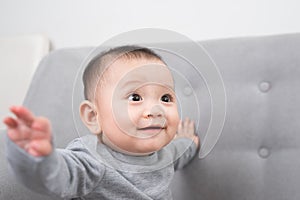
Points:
point(141, 146)
point(147, 148)
point(142, 149)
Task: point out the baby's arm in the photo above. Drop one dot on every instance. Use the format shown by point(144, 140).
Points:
point(61, 173)
point(185, 145)
point(31, 133)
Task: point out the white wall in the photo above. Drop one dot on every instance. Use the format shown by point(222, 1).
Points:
point(69, 23)
point(90, 22)
point(19, 57)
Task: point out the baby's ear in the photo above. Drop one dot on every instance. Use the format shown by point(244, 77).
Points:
point(88, 114)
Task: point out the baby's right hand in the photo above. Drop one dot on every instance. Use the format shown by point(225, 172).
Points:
point(31, 133)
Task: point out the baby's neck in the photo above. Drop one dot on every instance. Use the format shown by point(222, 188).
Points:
point(107, 142)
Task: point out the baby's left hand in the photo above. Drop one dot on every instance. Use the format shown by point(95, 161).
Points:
point(186, 129)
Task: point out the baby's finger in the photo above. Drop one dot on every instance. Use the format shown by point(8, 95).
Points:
point(10, 122)
point(192, 126)
point(197, 141)
point(40, 135)
point(40, 148)
point(186, 125)
point(23, 114)
point(42, 124)
point(179, 128)
point(24, 144)
point(20, 132)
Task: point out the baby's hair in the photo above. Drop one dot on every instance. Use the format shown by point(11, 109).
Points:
point(98, 64)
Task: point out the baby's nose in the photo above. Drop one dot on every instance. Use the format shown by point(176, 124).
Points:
point(154, 111)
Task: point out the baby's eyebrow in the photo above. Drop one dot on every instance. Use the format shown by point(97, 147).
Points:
point(131, 83)
point(141, 83)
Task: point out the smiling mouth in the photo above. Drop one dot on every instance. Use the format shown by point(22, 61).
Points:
point(151, 128)
point(149, 132)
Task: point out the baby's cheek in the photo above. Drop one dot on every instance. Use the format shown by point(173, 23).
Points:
point(173, 124)
point(133, 115)
point(175, 117)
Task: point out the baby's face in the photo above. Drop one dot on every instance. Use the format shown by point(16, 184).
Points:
point(136, 105)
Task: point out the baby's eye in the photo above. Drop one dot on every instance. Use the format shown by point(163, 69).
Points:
point(166, 98)
point(135, 97)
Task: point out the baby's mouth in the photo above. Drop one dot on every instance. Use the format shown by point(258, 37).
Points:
point(151, 128)
point(149, 131)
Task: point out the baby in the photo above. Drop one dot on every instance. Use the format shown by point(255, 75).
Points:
point(131, 109)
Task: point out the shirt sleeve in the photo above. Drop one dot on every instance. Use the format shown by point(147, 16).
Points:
point(183, 151)
point(65, 173)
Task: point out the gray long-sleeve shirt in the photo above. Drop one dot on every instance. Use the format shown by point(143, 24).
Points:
point(87, 169)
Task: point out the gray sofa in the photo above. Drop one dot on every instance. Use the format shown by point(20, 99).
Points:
point(256, 155)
